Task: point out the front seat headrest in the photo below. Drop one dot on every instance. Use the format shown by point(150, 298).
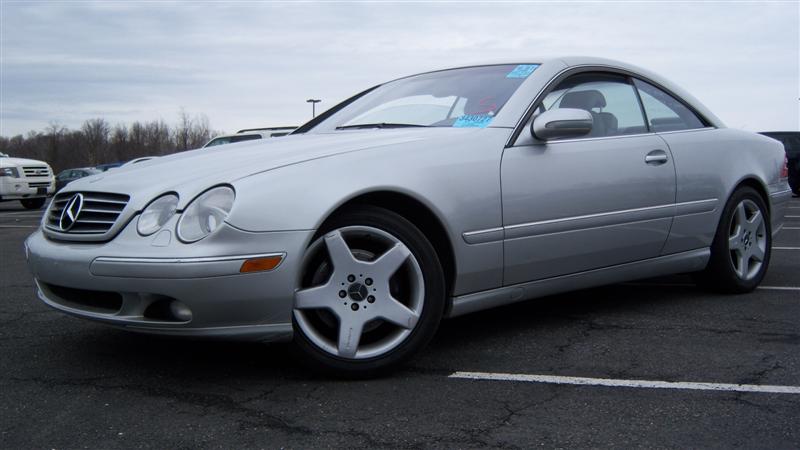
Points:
point(585, 100)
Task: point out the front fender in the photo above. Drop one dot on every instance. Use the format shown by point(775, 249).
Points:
point(457, 178)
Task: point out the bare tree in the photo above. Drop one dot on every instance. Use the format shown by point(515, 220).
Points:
point(96, 142)
point(95, 132)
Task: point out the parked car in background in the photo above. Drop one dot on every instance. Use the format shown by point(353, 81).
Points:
point(27, 180)
point(104, 167)
point(67, 176)
point(791, 143)
point(139, 160)
point(250, 134)
point(426, 197)
point(269, 132)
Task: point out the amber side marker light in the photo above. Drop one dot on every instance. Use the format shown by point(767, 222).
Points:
point(261, 264)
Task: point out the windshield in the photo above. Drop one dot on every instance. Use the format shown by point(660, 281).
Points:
point(468, 97)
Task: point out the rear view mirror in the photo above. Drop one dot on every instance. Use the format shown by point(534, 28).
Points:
point(562, 123)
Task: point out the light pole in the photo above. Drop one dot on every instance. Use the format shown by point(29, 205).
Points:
point(313, 102)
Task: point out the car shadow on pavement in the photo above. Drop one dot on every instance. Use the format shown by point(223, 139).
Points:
point(107, 350)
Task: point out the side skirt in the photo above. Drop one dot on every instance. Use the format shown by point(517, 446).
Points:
point(691, 261)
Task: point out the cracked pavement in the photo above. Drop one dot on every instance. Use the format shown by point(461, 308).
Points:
point(69, 383)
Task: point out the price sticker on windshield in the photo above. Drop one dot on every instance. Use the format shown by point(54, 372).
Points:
point(522, 71)
point(473, 121)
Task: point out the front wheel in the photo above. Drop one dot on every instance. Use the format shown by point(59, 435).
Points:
point(742, 245)
point(33, 203)
point(372, 294)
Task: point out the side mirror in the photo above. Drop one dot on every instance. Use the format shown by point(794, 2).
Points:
point(562, 123)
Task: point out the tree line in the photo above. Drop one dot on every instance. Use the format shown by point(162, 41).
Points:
point(97, 142)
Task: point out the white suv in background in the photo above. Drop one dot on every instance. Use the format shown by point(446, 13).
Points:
point(27, 180)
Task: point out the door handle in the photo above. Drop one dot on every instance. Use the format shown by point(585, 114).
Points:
point(656, 158)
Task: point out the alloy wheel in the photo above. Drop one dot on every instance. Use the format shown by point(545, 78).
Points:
point(362, 295)
point(747, 240)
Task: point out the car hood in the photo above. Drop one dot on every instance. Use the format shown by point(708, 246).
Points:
point(14, 162)
point(191, 172)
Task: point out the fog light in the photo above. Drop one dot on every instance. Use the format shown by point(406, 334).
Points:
point(180, 311)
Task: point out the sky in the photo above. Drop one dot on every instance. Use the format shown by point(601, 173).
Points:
point(253, 64)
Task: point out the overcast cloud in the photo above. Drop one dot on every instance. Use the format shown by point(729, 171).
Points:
point(252, 64)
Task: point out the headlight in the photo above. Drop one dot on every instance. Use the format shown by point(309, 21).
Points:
point(9, 172)
point(157, 214)
point(205, 214)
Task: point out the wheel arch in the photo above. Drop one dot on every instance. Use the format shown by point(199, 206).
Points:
point(758, 186)
point(417, 212)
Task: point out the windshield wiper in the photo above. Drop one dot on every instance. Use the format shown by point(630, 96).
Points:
point(380, 125)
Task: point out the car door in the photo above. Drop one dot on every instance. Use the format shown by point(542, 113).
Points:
point(700, 196)
point(579, 204)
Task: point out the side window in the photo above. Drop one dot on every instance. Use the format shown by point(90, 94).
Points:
point(664, 112)
point(611, 100)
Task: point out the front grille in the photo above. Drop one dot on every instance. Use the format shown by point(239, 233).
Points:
point(36, 171)
point(38, 184)
point(97, 215)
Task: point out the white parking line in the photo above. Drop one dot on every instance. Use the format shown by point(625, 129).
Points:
point(791, 216)
point(610, 382)
point(786, 248)
point(764, 288)
point(790, 228)
point(16, 213)
point(19, 226)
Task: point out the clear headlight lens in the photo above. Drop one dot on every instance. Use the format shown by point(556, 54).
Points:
point(205, 214)
point(157, 213)
point(9, 172)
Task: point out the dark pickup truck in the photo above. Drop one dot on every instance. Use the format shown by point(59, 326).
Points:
point(791, 142)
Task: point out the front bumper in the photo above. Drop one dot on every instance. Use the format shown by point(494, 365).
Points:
point(131, 281)
point(22, 188)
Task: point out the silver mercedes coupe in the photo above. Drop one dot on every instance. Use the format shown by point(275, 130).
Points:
point(427, 197)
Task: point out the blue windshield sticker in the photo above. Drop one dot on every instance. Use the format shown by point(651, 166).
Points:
point(473, 121)
point(522, 71)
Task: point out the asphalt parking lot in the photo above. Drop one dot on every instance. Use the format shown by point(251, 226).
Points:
point(657, 363)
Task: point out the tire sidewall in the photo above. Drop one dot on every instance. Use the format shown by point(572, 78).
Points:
point(33, 203)
point(433, 304)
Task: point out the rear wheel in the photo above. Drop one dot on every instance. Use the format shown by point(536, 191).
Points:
point(372, 294)
point(33, 203)
point(742, 245)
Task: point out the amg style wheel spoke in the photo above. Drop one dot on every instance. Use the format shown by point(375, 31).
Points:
point(757, 253)
point(340, 253)
point(397, 313)
point(389, 262)
point(741, 215)
point(350, 329)
point(744, 265)
point(755, 221)
point(735, 241)
point(315, 298)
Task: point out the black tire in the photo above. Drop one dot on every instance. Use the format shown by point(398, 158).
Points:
point(720, 275)
point(434, 298)
point(33, 203)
